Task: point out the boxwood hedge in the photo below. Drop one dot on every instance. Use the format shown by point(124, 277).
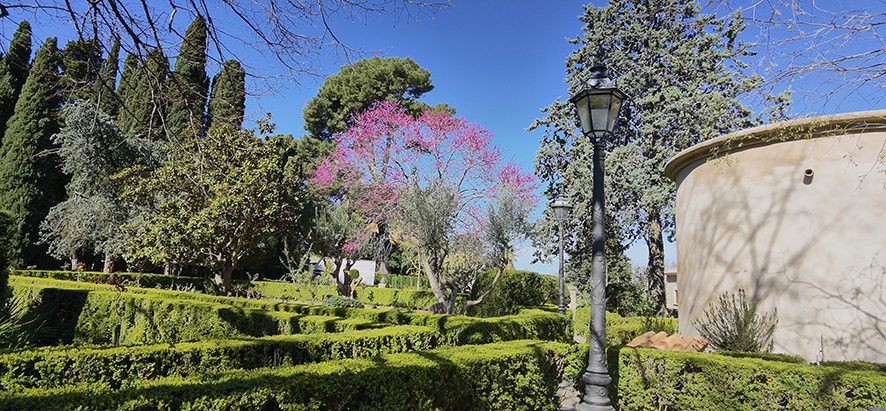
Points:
point(85, 316)
point(650, 379)
point(390, 297)
point(151, 316)
point(128, 366)
point(519, 375)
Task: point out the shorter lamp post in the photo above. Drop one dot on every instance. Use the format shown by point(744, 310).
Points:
point(598, 102)
point(561, 208)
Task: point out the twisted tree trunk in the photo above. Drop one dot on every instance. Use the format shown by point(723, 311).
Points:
point(655, 266)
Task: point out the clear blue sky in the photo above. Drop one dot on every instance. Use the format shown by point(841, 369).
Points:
point(497, 62)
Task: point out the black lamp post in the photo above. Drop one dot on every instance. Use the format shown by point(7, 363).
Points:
point(598, 102)
point(561, 208)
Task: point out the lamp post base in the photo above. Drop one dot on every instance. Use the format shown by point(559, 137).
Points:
point(596, 396)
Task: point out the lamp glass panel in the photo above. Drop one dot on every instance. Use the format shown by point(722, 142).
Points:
point(599, 105)
point(561, 213)
point(583, 114)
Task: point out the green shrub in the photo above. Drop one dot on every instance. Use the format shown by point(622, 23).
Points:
point(391, 297)
point(128, 279)
point(263, 317)
point(515, 289)
point(406, 281)
point(520, 375)
point(339, 301)
point(6, 245)
point(84, 316)
point(793, 359)
point(128, 366)
point(733, 323)
point(856, 365)
point(650, 379)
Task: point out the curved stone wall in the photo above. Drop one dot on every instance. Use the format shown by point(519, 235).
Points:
point(794, 213)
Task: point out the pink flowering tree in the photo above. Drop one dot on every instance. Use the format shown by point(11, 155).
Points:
point(433, 179)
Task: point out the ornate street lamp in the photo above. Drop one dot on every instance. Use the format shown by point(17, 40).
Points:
point(561, 208)
point(598, 102)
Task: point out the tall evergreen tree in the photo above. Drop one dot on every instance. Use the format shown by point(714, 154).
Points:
point(104, 96)
point(81, 64)
point(30, 179)
point(126, 93)
point(683, 71)
point(189, 84)
point(358, 86)
point(149, 104)
point(14, 71)
point(19, 56)
point(227, 103)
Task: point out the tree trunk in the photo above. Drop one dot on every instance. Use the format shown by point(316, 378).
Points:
point(655, 266)
point(437, 287)
point(224, 280)
point(109, 263)
point(479, 299)
point(383, 250)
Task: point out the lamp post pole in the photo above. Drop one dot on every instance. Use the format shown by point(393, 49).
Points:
point(596, 376)
point(561, 209)
point(598, 103)
point(561, 308)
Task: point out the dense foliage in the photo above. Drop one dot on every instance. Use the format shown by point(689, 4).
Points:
point(92, 150)
point(188, 86)
point(358, 86)
point(14, 71)
point(227, 103)
point(656, 379)
point(30, 179)
point(233, 193)
point(515, 289)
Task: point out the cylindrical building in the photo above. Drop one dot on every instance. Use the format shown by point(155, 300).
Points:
point(793, 213)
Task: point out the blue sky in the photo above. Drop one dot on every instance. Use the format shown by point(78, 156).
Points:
point(497, 62)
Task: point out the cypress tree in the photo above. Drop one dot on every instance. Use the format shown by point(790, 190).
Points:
point(30, 179)
point(14, 71)
point(148, 97)
point(104, 97)
point(19, 55)
point(227, 103)
point(126, 93)
point(81, 64)
point(189, 84)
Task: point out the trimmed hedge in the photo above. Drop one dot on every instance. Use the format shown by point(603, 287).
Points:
point(405, 281)
point(391, 297)
point(519, 375)
point(515, 289)
point(145, 280)
point(251, 317)
point(650, 379)
point(129, 366)
point(85, 316)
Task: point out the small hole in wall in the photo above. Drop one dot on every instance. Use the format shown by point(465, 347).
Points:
point(807, 176)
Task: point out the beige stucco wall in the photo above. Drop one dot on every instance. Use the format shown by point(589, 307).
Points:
point(671, 299)
point(812, 249)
